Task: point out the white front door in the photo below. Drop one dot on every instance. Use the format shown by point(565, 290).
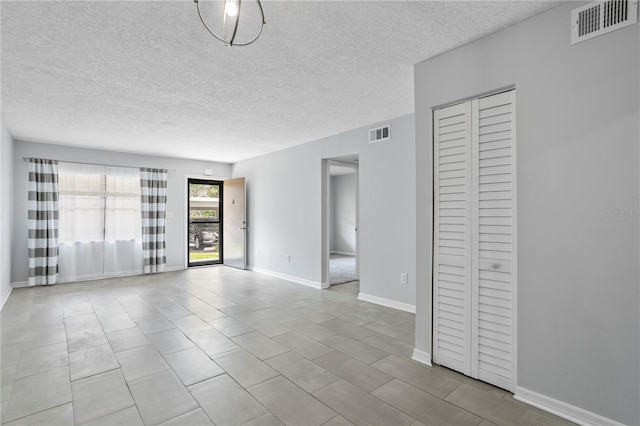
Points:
point(234, 217)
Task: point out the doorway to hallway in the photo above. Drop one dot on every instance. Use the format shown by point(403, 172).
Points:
point(341, 213)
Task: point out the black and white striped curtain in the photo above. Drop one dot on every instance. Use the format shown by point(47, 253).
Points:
point(43, 221)
point(153, 185)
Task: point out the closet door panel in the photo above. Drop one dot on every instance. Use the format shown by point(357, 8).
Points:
point(493, 239)
point(452, 227)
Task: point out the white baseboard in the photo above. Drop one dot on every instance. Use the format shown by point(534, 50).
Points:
point(291, 278)
point(422, 357)
point(5, 296)
point(344, 253)
point(562, 409)
point(165, 269)
point(387, 302)
point(19, 284)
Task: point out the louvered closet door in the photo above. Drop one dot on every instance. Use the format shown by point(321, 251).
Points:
point(493, 239)
point(452, 231)
point(474, 238)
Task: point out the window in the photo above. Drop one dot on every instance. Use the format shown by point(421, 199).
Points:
point(100, 221)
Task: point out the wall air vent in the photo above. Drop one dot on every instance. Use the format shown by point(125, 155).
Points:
point(379, 134)
point(601, 17)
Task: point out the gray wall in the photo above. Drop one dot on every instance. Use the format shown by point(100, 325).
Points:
point(284, 209)
point(6, 213)
point(176, 192)
point(343, 213)
point(577, 162)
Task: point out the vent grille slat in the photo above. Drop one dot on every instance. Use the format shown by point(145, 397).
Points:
point(616, 11)
point(602, 17)
point(589, 20)
point(379, 134)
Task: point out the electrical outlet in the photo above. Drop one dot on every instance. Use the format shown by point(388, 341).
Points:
point(289, 259)
point(258, 252)
point(404, 278)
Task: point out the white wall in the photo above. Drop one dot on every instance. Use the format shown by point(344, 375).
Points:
point(6, 199)
point(577, 164)
point(343, 213)
point(176, 193)
point(284, 202)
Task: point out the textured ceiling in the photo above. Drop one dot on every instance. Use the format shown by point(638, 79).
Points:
point(146, 77)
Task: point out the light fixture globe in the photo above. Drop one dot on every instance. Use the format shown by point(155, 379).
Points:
point(227, 20)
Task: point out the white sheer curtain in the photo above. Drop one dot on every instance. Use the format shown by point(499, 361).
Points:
point(100, 229)
point(123, 223)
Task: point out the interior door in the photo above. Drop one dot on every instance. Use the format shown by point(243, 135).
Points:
point(474, 275)
point(234, 213)
point(452, 238)
point(494, 240)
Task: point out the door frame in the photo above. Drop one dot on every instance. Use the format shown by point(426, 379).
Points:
point(185, 216)
point(326, 215)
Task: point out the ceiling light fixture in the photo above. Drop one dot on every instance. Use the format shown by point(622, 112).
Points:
point(230, 16)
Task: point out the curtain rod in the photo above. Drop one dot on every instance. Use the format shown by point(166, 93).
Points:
point(99, 164)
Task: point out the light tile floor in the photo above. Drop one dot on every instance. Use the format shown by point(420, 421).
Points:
point(226, 347)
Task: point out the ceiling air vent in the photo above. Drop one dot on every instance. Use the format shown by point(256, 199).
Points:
point(601, 17)
point(379, 134)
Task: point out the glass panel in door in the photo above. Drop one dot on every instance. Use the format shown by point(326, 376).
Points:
point(205, 219)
